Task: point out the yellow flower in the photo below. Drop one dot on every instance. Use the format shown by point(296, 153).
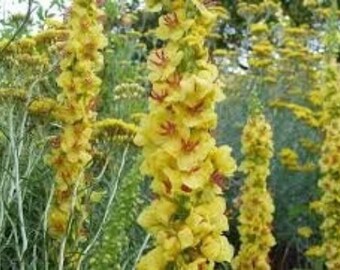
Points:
point(190, 152)
point(223, 162)
point(190, 181)
point(154, 260)
point(173, 25)
point(211, 216)
point(160, 126)
point(205, 12)
point(157, 215)
point(57, 222)
point(217, 249)
point(163, 62)
point(186, 238)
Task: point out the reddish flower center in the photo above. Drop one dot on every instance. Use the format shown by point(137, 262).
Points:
point(55, 142)
point(158, 96)
point(174, 80)
point(210, 3)
point(168, 186)
point(160, 58)
point(92, 105)
point(168, 128)
point(218, 179)
point(189, 146)
point(198, 108)
point(171, 20)
point(185, 188)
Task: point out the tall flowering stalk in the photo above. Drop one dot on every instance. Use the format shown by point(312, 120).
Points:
point(71, 153)
point(256, 211)
point(187, 216)
point(329, 204)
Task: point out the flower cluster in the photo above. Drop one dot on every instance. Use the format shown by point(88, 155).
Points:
point(55, 32)
point(42, 106)
point(114, 128)
point(262, 49)
point(71, 150)
point(187, 216)
point(23, 54)
point(256, 210)
point(11, 94)
point(252, 10)
point(128, 91)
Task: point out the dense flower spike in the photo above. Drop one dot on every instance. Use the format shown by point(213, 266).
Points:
point(329, 204)
point(256, 203)
point(187, 217)
point(71, 152)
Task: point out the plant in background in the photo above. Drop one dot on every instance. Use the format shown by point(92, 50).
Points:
point(187, 216)
point(112, 249)
point(71, 153)
point(257, 207)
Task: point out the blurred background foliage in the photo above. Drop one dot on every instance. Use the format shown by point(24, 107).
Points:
point(284, 77)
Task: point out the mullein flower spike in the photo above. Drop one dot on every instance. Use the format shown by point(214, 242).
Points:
point(256, 211)
point(71, 150)
point(187, 216)
point(329, 204)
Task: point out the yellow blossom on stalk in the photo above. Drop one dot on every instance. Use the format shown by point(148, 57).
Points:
point(290, 159)
point(301, 112)
point(256, 210)
point(310, 145)
point(187, 216)
point(71, 150)
point(305, 232)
